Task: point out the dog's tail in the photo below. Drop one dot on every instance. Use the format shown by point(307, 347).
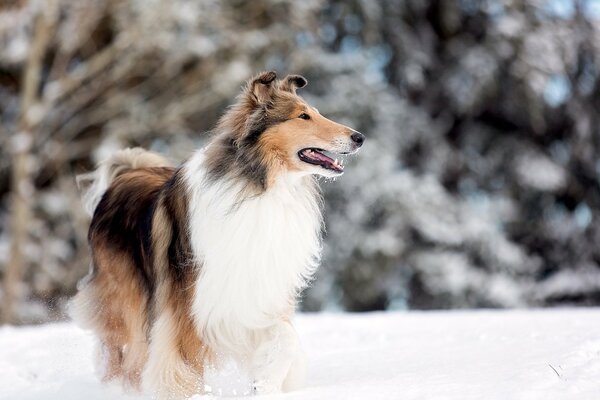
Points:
point(95, 183)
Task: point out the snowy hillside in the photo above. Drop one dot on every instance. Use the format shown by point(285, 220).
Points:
point(551, 354)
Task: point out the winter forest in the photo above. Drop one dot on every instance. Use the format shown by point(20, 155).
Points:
point(479, 185)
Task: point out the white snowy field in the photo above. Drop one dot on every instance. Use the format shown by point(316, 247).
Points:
point(546, 354)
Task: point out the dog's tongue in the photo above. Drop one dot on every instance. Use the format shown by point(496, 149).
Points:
point(315, 155)
point(328, 161)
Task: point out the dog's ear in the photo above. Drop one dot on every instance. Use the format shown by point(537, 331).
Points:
point(261, 87)
point(292, 82)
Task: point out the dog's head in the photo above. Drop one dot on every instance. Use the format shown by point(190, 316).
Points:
point(275, 129)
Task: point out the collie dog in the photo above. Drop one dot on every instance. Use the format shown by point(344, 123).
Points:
point(204, 262)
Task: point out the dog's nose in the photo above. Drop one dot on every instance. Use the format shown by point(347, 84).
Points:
point(358, 138)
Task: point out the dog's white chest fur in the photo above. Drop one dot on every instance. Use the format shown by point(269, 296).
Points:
point(254, 255)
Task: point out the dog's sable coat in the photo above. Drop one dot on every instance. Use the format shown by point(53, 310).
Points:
point(204, 261)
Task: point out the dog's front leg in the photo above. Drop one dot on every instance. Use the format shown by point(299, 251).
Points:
point(278, 362)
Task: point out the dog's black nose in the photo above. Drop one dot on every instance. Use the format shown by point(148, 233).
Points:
point(358, 138)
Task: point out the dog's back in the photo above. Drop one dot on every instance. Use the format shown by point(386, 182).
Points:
point(122, 223)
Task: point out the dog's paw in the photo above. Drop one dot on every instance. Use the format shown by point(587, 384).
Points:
point(264, 387)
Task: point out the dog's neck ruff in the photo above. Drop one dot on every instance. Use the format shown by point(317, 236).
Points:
point(254, 253)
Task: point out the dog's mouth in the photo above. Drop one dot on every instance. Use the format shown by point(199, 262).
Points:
point(321, 158)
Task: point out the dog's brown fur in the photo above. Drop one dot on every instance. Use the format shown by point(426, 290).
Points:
point(251, 140)
point(139, 248)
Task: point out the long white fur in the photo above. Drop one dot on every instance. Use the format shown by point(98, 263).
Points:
point(166, 375)
point(256, 254)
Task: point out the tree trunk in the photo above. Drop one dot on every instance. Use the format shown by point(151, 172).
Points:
point(22, 189)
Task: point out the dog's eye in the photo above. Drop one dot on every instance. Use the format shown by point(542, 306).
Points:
point(304, 116)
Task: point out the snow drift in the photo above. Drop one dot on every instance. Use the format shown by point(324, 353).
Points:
point(522, 355)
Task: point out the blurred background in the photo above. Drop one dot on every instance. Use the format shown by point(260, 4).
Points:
point(479, 185)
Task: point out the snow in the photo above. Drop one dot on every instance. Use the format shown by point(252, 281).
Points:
point(539, 172)
point(522, 355)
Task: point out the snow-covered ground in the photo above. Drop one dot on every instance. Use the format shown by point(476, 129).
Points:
point(549, 354)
